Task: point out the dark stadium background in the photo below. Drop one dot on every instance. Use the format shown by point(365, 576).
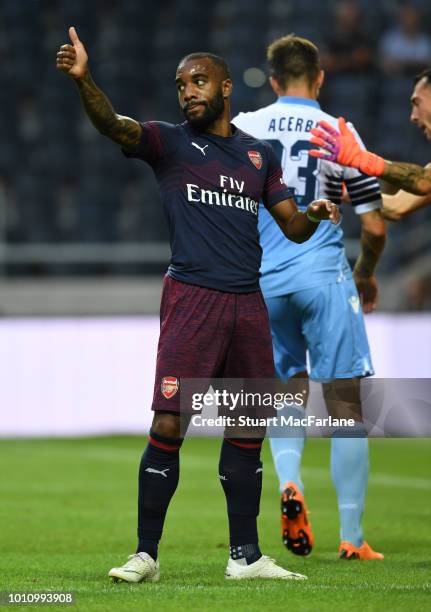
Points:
point(72, 207)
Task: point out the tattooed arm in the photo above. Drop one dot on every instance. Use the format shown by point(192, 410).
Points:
point(373, 238)
point(73, 60)
point(123, 130)
point(401, 204)
point(409, 177)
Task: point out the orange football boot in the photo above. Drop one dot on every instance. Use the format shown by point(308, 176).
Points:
point(362, 553)
point(295, 527)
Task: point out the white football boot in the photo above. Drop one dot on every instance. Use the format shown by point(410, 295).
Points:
point(265, 567)
point(138, 568)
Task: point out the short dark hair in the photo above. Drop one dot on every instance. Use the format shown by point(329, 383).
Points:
point(425, 74)
point(216, 59)
point(291, 58)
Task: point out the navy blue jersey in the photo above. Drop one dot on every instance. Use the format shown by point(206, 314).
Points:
point(211, 187)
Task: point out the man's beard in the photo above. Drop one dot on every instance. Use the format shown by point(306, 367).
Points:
point(213, 110)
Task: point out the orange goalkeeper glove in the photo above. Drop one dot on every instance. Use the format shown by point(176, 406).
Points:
point(342, 147)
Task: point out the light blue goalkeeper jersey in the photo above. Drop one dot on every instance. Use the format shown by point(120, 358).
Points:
point(286, 266)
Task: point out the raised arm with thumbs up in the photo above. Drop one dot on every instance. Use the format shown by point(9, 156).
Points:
point(72, 59)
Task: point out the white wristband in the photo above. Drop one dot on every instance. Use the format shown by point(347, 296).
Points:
point(312, 219)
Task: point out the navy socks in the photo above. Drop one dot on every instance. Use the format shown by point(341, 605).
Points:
point(240, 472)
point(241, 478)
point(158, 479)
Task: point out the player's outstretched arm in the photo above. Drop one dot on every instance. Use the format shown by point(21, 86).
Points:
point(410, 177)
point(373, 237)
point(300, 226)
point(73, 60)
point(342, 147)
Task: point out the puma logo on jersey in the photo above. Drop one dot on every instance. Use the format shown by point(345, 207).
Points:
point(200, 148)
point(154, 471)
point(354, 303)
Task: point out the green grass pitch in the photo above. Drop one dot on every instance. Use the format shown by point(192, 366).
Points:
point(68, 511)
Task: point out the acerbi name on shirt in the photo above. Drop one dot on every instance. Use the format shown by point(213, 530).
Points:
point(277, 421)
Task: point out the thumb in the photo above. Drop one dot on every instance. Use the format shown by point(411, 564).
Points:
point(73, 36)
point(342, 126)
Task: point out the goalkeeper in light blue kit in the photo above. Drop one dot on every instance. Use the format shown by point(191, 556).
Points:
point(312, 295)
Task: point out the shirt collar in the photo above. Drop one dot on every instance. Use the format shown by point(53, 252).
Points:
point(298, 100)
point(197, 133)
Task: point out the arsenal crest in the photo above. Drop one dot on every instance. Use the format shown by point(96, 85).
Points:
point(255, 158)
point(169, 386)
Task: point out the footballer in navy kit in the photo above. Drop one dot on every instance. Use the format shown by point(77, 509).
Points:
point(212, 183)
point(213, 318)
